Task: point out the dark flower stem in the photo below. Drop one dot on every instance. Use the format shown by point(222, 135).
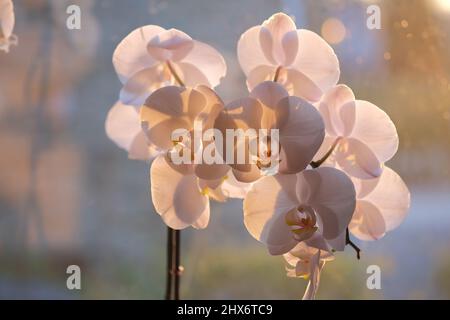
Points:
point(351, 244)
point(174, 268)
point(169, 264)
point(277, 74)
point(175, 74)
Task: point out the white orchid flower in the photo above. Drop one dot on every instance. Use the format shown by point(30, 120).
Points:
point(269, 106)
point(181, 191)
point(152, 57)
point(362, 135)
point(307, 262)
point(7, 21)
point(314, 206)
point(299, 59)
point(381, 205)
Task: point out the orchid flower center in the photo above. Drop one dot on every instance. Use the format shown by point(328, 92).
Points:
point(302, 222)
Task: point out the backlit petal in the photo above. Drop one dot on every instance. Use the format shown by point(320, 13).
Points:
point(131, 54)
point(176, 197)
point(250, 52)
point(208, 60)
point(317, 60)
point(301, 133)
point(332, 195)
point(265, 207)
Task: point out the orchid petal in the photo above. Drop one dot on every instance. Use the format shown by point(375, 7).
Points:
point(374, 128)
point(131, 55)
point(332, 195)
point(176, 197)
point(330, 107)
point(208, 61)
point(301, 133)
point(170, 44)
point(250, 52)
point(265, 207)
point(317, 60)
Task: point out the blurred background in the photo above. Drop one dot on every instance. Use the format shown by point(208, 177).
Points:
point(68, 195)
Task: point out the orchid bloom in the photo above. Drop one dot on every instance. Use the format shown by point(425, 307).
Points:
point(152, 57)
point(299, 59)
point(307, 263)
point(381, 205)
point(123, 126)
point(269, 106)
point(7, 21)
point(314, 206)
point(361, 135)
point(181, 192)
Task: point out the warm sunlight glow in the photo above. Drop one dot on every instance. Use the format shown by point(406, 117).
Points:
point(443, 4)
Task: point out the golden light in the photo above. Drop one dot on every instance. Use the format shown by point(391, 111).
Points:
point(333, 30)
point(443, 4)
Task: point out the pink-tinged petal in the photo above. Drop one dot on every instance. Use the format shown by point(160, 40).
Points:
point(367, 223)
point(260, 74)
point(211, 171)
point(267, 42)
point(233, 188)
point(191, 75)
point(294, 82)
point(208, 60)
point(390, 196)
point(330, 107)
point(279, 39)
point(301, 133)
point(290, 46)
point(242, 114)
point(317, 241)
point(203, 221)
point(168, 109)
point(122, 125)
point(316, 267)
point(374, 128)
point(141, 149)
point(338, 243)
point(290, 258)
point(300, 85)
point(357, 159)
point(265, 207)
point(7, 18)
point(332, 195)
point(212, 189)
point(246, 173)
point(131, 55)
point(250, 51)
point(176, 197)
point(214, 106)
point(170, 44)
point(269, 93)
point(317, 60)
point(139, 87)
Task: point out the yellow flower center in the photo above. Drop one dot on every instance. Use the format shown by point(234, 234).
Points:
point(302, 222)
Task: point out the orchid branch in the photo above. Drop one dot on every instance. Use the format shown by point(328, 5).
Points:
point(318, 163)
point(175, 74)
point(350, 243)
point(277, 74)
